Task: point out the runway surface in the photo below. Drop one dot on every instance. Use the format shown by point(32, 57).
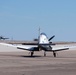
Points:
point(17, 62)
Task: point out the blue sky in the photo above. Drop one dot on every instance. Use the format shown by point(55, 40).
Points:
point(20, 19)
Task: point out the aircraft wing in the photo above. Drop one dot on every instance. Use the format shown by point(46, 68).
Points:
point(59, 48)
point(23, 47)
point(35, 47)
point(28, 47)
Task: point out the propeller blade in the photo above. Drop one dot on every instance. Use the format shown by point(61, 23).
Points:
point(51, 37)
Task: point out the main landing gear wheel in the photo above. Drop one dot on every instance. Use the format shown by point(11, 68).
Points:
point(32, 53)
point(54, 53)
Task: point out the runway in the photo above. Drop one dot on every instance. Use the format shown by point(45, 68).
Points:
point(15, 62)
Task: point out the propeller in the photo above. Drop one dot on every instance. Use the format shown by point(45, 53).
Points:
point(51, 37)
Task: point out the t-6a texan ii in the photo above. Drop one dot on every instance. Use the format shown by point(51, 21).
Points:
point(3, 38)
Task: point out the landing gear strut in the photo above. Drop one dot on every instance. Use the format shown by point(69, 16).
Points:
point(44, 53)
point(32, 53)
point(54, 53)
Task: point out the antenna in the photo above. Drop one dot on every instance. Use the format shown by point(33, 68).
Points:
point(38, 35)
point(39, 31)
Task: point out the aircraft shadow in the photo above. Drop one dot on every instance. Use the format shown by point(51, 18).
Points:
point(30, 56)
point(25, 56)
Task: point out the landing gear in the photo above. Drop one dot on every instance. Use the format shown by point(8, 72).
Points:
point(44, 53)
point(32, 53)
point(54, 53)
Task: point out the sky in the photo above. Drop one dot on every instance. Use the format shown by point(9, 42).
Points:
point(21, 19)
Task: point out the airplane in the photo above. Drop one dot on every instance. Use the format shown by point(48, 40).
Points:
point(3, 38)
point(43, 44)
